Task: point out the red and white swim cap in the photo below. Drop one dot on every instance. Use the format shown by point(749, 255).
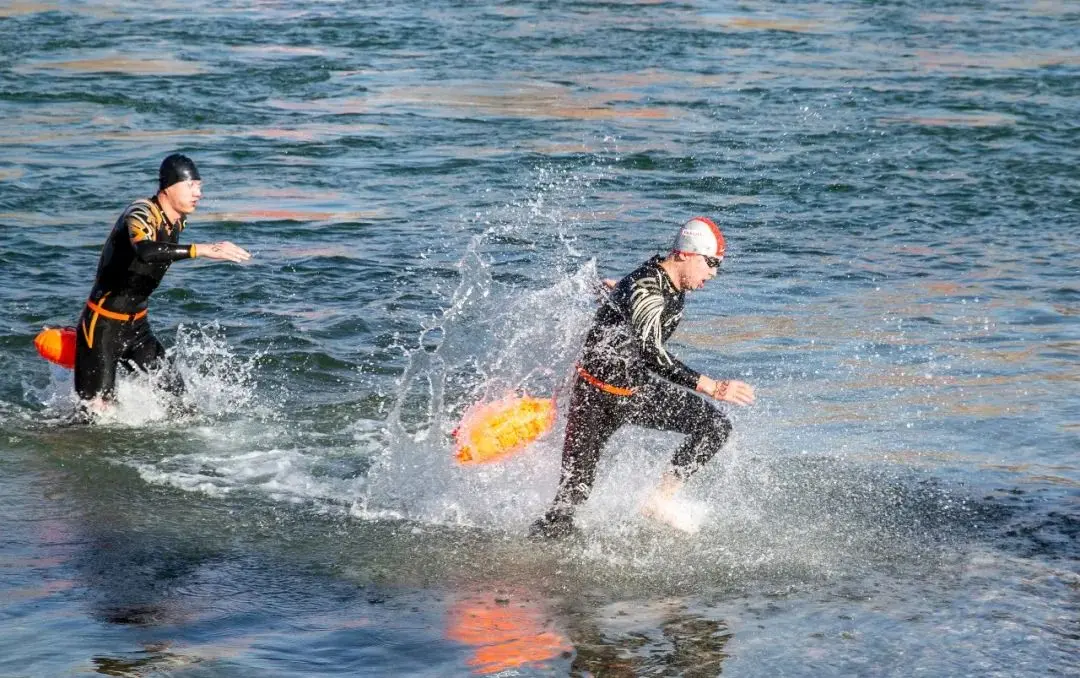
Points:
point(700, 236)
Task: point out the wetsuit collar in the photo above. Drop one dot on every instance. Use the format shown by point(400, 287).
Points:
point(658, 260)
point(179, 224)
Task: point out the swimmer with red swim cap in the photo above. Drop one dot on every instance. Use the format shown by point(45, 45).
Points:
point(144, 242)
point(626, 375)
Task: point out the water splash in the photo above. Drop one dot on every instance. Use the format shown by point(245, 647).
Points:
point(495, 336)
point(531, 338)
point(218, 384)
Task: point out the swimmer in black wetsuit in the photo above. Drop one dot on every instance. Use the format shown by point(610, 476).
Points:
point(144, 241)
point(626, 376)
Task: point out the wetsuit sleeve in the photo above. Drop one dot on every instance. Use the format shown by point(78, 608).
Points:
point(647, 306)
point(143, 236)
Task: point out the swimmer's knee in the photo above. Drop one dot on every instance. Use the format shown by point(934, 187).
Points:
point(706, 443)
point(714, 429)
point(720, 428)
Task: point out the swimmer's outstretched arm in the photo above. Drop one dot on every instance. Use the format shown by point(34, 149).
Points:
point(143, 237)
point(160, 252)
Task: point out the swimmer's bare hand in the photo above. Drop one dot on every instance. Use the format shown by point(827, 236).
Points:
point(224, 251)
point(603, 289)
point(733, 391)
point(728, 390)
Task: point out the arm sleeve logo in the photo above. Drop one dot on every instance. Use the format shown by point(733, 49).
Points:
point(646, 316)
point(141, 225)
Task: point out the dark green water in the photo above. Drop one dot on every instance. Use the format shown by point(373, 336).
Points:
point(429, 190)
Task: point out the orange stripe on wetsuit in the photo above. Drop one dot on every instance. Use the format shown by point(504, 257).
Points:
point(604, 386)
point(111, 315)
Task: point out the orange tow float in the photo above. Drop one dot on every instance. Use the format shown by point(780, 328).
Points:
point(57, 345)
point(493, 431)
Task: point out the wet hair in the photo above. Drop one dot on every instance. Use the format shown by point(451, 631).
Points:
point(176, 168)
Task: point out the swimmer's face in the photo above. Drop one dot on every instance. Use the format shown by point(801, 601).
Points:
point(699, 270)
point(185, 195)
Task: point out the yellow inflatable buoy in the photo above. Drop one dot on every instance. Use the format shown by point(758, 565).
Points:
point(496, 430)
point(57, 345)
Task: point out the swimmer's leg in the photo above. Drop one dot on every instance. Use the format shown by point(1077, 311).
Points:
point(594, 416)
point(98, 348)
point(667, 407)
point(706, 428)
point(147, 354)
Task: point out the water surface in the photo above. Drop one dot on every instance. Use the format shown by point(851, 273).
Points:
point(430, 191)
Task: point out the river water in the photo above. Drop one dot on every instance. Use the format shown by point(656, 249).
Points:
point(430, 191)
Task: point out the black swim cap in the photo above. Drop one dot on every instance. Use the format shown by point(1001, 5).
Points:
point(176, 168)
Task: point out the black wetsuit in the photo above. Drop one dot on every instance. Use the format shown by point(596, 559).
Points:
point(113, 327)
point(626, 376)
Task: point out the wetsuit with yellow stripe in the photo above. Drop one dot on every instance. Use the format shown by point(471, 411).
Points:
point(626, 376)
point(113, 328)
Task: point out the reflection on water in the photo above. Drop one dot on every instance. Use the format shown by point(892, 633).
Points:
point(339, 251)
point(940, 60)
point(690, 83)
point(18, 7)
point(313, 132)
point(281, 50)
point(156, 659)
point(525, 99)
point(516, 629)
point(505, 632)
point(335, 106)
point(293, 192)
point(51, 220)
point(100, 10)
point(628, 640)
point(296, 215)
point(748, 23)
point(45, 590)
point(83, 137)
point(130, 65)
point(954, 120)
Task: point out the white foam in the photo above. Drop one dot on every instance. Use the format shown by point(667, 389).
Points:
point(681, 514)
point(217, 383)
